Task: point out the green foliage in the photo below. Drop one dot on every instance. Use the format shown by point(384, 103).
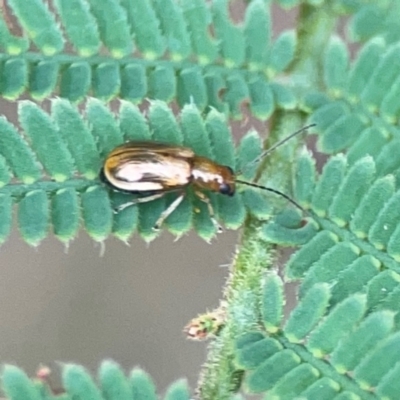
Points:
point(341, 339)
point(315, 362)
point(77, 383)
point(190, 74)
point(68, 148)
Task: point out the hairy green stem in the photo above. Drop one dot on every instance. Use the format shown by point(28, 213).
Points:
point(220, 378)
point(315, 27)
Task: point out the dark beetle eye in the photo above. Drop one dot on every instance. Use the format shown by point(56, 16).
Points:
point(225, 189)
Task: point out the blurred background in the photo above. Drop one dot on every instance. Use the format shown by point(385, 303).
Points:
point(129, 305)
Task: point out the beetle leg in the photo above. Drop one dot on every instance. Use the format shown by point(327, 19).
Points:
point(206, 200)
point(138, 200)
point(171, 208)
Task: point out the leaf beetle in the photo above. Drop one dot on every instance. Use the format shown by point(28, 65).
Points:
point(152, 169)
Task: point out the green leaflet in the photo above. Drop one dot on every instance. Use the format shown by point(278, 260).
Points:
point(10, 43)
point(385, 223)
point(336, 65)
point(65, 214)
point(162, 83)
point(375, 198)
point(307, 313)
point(142, 386)
point(46, 141)
point(75, 81)
point(107, 81)
point(282, 51)
point(76, 134)
point(132, 122)
point(14, 78)
point(370, 141)
point(267, 374)
point(114, 385)
point(178, 391)
point(301, 261)
point(386, 161)
point(16, 384)
point(257, 24)
point(284, 98)
point(389, 385)
point(382, 79)
point(19, 156)
point(43, 79)
point(277, 231)
point(33, 217)
point(5, 175)
point(198, 17)
point(253, 354)
point(74, 15)
point(380, 287)
point(133, 82)
point(261, 96)
point(215, 86)
point(353, 187)
point(328, 184)
point(296, 381)
point(96, 213)
point(231, 36)
point(117, 40)
point(272, 305)
point(324, 388)
point(104, 127)
point(33, 17)
point(337, 325)
point(364, 65)
point(355, 277)
point(5, 216)
point(78, 382)
point(330, 264)
point(378, 362)
point(174, 28)
point(304, 178)
point(145, 27)
point(191, 88)
point(371, 331)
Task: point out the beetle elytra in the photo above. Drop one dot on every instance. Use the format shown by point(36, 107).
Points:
point(152, 169)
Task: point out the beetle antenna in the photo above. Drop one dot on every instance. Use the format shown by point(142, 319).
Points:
point(275, 146)
point(285, 196)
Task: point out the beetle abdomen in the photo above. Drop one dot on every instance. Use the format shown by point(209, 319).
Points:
point(140, 170)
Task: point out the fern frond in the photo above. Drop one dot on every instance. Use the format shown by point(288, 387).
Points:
point(375, 19)
point(162, 51)
point(313, 352)
point(351, 238)
point(51, 170)
point(361, 111)
point(77, 383)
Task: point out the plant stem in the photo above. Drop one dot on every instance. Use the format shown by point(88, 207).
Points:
point(220, 378)
point(315, 27)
